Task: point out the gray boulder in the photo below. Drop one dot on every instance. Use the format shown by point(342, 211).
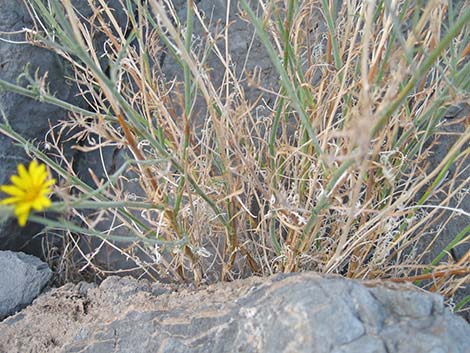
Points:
point(284, 313)
point(22, 277)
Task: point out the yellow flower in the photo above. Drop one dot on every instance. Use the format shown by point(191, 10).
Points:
point(29, 190)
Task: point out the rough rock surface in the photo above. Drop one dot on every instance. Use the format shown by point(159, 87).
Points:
point(284, 313)
point(247, 56)
point(22, 277)
point(29, 117)
point(457, 224)
point(451, 223)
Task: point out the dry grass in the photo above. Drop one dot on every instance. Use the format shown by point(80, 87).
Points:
point(328, 172)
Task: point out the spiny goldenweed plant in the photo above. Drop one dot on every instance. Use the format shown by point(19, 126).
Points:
point(334, 177)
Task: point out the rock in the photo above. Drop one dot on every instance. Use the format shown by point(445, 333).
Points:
point(284, 313)
point(29, 117)
point(445, 138)
point(247, 54)
point(451, 223)
point(22, 277)
point(248, 57)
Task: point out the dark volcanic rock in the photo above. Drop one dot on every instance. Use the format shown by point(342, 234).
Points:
point(285, 313)
point(26, 116)
point(30, 118)
point(451, 222)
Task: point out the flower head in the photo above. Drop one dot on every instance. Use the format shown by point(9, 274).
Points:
point(30, 189)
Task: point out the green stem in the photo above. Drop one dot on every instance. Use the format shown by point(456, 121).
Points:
point(35, 94)
point(285, 81)
point(430, 60)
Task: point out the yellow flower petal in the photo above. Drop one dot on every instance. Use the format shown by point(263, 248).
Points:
point(29, 190)
point(10, 200)
point(41, 203)
point(40, 177)
point(22, 208)
point(12, 190)
point(17, 181)
point(32, 166)
point(38, 172)
point(50, 182)
point(22, 172)
point(22, 218)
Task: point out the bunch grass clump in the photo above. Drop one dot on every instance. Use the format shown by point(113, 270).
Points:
point(333, 178)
